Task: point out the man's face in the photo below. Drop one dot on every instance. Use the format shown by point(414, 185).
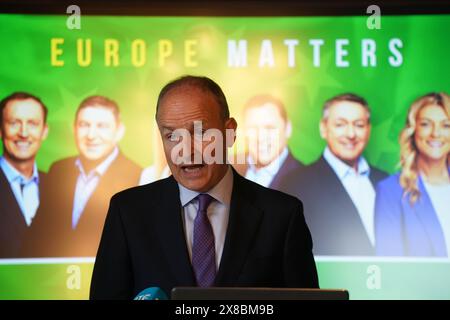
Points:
point(97, 132)
point(23, 129)
point(432, 135)
point(266, 132)
point(178, 110)
point(346, 130)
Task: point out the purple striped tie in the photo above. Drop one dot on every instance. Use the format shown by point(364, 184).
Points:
point(203, 247)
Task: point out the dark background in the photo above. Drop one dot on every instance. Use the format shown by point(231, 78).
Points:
point(226, 8)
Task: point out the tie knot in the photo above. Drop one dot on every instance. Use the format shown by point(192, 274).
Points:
point(204, 200)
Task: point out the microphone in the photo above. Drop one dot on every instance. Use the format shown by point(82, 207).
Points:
point(152, 293)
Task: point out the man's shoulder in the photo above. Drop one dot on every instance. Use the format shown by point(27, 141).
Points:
point(317, 167)
point(124, 162)
point(147, 192)
point(42, 174)
point(63, 164)
point(3, 180)
point(292, 162)
point(311, 173)
point(377, 175)
point(6, 193)
point(124, 169)
point(266, 196)
point(42, 177)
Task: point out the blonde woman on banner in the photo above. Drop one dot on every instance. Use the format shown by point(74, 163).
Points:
point(412, 215)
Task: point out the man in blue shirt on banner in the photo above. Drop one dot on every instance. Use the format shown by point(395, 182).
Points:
point(338, 190)
point(22, 129)
point(78, 188)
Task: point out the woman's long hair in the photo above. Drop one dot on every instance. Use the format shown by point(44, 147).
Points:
point(408, 149)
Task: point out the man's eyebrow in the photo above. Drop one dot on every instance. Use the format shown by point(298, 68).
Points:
point(190, 126)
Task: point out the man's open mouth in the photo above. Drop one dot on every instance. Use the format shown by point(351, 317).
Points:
point(192, 168)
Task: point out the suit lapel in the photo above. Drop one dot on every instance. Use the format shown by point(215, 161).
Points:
point(99, 199)
point(109, 183)
point(424, 210)
point(171, 233)
point(337, 196)
point(244, 221)
point(376, 176)
point(340, 196)
point(68, 194)
point(9, 208)
point(284, 168)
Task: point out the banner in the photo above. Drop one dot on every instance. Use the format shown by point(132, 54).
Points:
point(294, 64)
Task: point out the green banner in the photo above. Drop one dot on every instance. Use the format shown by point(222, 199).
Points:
point(302, 60)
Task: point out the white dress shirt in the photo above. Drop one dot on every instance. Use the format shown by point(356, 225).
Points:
point(265, 175)
point(218, 212)
point(439, 195)
point(359, 188)
point(87, 183)
point(25, 190)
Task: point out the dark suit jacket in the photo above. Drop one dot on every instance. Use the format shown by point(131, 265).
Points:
point(290, 164)
point(333, 219)
point(143, 244)
point(53, 235)
point(13, 228)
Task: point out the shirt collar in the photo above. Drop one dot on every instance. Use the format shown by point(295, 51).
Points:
point(102, 167)
point(342, 169)
point(273, 167)
point(12, 174)
point(220, 192)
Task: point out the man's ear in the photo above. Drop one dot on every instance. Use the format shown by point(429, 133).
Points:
point(120, 132)
point(45, 132)
point(230, 124)
point(323, 129)
point(288, 130)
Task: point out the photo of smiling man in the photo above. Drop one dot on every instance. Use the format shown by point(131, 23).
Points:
point(269, 160)
point(77, 194)
point(22, 129)
point(338, 190)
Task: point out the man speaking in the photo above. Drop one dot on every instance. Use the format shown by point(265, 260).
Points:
point(205, 225)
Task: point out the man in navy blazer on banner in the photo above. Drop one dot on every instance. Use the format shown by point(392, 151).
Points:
point(205, 225)
point(269, 161)
point(339, 188)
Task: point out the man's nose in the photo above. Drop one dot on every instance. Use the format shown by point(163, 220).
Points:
point(351, 132)
point(24, 131)
point(197, 149)
point(92, 132)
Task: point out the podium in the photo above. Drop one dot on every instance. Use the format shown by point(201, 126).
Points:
point(238, 293)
